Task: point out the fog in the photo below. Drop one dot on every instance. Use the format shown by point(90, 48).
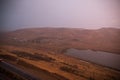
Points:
point(91, 14)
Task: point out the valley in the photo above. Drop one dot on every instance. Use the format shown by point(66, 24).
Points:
point(41, 52)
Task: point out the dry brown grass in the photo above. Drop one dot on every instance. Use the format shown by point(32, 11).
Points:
point(59, 39)
point(66, 66)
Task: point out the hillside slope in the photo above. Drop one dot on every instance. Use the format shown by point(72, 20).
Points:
point(60, 39)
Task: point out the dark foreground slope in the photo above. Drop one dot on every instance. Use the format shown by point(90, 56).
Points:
point(50, 66)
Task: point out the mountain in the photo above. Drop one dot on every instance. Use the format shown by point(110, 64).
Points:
point(59, 39)
point(35, 51)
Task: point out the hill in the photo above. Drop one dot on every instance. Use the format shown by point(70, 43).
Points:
point(34, 50)
point(60, 39)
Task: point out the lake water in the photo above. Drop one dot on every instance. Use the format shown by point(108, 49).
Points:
point(98, 57)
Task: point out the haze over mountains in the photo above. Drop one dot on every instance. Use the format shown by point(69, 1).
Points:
point(60, 39)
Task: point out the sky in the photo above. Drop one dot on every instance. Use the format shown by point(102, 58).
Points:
point(90, 14)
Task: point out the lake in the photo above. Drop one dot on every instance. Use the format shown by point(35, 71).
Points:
point(98, 57)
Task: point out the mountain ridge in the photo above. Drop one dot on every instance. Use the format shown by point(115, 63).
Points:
point(58, 39)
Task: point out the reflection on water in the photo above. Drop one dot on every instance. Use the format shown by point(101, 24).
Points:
point(98, 57)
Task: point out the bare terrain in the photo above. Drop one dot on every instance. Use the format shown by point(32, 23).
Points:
point(40, 51)
point(60, 39)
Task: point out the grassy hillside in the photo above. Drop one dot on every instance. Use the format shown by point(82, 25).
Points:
point(35, 50)
point(51, 66)
point(60, 39)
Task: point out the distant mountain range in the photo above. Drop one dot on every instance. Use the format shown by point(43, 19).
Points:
point(60, 39)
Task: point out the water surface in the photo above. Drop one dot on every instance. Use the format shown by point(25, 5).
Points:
point(103, 58)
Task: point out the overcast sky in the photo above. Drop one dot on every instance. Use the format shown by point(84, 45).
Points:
point(17, 14)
